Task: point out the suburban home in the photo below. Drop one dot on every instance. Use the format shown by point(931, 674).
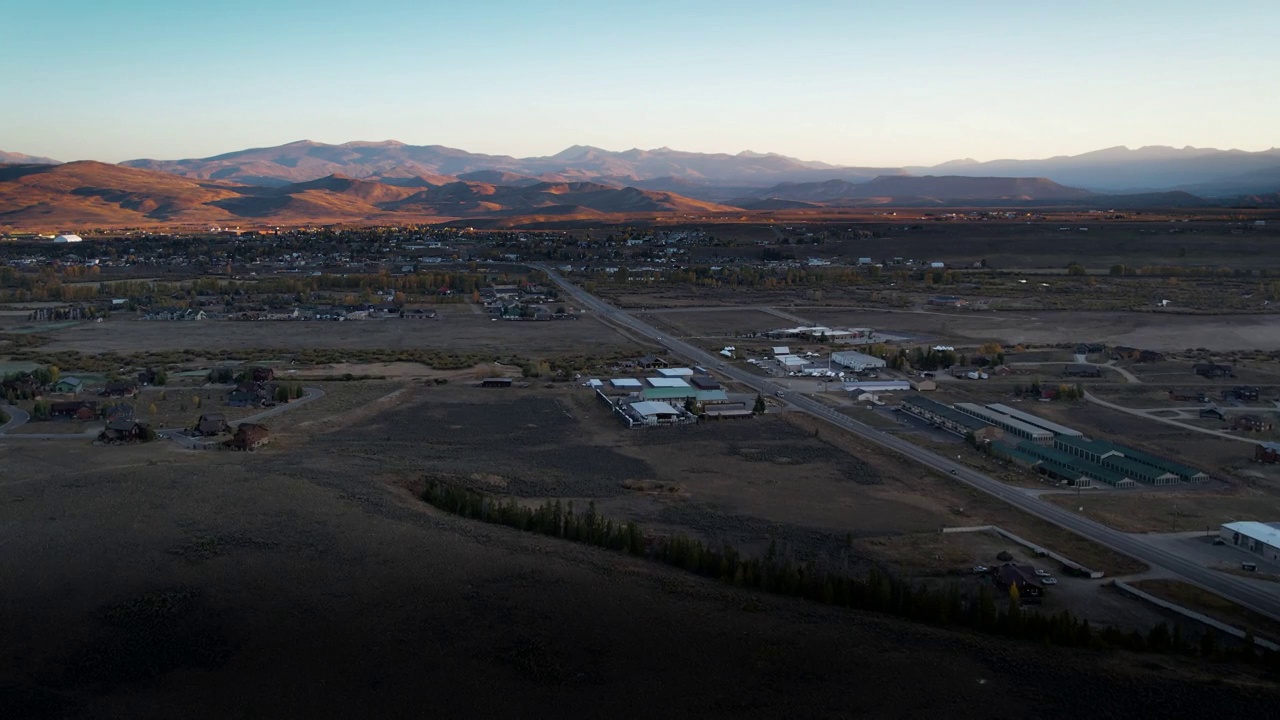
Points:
point(1212, 413)
point(1213, 370)
point(74, 409)
point(1267, 452)
point(1008, 575)
point(211, 424)
point(244, 398)
point(68, 386)
point(119, 412)
point(648, 362)
point(22, 385)
point(119, 388)
point(249, 436)
point(261, 374)
point(147, 377)
point(1081, 370)
point(1244, 393)
point(123, 431)
point(1250, 423)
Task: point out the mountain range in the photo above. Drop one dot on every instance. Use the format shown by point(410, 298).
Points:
point(306, 182)
point(98, 194)
point(719, 176)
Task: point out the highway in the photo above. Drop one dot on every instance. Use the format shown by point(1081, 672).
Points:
point(1239, 590)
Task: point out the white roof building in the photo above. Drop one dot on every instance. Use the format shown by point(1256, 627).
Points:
point(791, 361)
point(654, 408)
point(857, 361)
point(781, 350)
point(667, 382)
point(68, 238)
point(1259, 538)
point(675, 372)
point(626, 383)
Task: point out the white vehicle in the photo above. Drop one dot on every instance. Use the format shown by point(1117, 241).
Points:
point(1041, 573)
point(1048, 581)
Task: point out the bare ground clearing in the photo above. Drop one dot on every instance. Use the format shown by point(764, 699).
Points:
point(458, 327)
point(303, 580)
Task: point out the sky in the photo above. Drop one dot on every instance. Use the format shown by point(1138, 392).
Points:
point(854, 82)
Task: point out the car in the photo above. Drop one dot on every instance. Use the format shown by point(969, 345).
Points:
point(780, 394)
point(955, 472)
point(1048, 581)
point(979, 569)
point(1041, 573)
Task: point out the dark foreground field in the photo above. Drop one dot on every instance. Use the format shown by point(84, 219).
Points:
point(302, 581)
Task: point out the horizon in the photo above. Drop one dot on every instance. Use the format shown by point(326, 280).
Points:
point(669, 148)
point(816, 79)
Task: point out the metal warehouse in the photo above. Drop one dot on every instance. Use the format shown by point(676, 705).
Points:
point(947, 418)
point(857, 361)
point(1258, 538)
point(1038, 435)
point(1027, 417)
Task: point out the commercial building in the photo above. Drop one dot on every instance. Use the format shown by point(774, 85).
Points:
point(1134, 464)
point(857, 361)
point(947, 418)
point(1036, 420)
point(675, 372)
point(1010, 425)
point(877, 386)
point(667, 382)
point(1255, 537)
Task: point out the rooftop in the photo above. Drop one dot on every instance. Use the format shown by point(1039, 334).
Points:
point(654, 408)
point(667, 382)
point(1027, 417)
point(1268, 534)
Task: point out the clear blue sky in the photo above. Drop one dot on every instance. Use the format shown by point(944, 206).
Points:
point(850, 81)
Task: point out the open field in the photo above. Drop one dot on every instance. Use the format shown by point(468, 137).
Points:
point(458, 327)
point(1192, 597)
point(1161, 331)
point(306, 578)
point(1137, 511)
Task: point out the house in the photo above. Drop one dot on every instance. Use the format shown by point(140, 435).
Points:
point(260, 374)
point(74, 409)
point(1082, 370)
point(1188, 396)
point(1008, 575)
point(68, 386)
point(244, 398)
point(1212, 413)
point(22, 385)
point(1213, 370)
point(117, 413)
point(249, 436)
point(496, 382)
point(123, 431)
point(147, 377)
point(1244, 393)
point(1267, 452)
point(119, 388)
point(648, 362)
point(1250, 423)
point(210, 424)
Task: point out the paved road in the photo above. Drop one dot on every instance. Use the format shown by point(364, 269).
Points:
point(16, 418)
point(1265, 601)
point(1147, 414)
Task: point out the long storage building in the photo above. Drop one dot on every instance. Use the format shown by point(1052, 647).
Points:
point(1036, 420)
point(1010, 425)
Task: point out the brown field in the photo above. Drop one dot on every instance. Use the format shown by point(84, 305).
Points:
point(1173, 511)
point(309, 580)
point(1192, 597)
point(459, 327)
point(305, 577)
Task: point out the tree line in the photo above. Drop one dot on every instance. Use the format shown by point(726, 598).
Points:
point(878, 591)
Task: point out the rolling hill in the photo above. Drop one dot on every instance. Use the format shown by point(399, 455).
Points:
point(928, 190)
point(16, 158)
point(92, 193)
point(307, 160)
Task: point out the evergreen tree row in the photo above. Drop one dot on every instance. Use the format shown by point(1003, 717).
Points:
point(878, 591)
